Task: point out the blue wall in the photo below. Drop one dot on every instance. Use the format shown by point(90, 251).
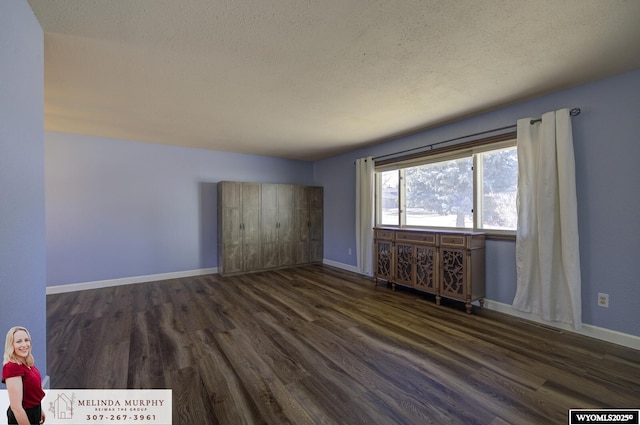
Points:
point(119, 209)
point(22, 193)
point(607, 148)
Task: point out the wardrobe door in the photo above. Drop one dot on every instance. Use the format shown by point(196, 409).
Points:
point(251, 244)
point(278, 242)
point(286, 225)
point(269, 228)
point(316, 195)
point(302, 224)
point(229, 228)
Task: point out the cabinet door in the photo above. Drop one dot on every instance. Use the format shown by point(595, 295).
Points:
point(229, 228)
point(278, 242)
point(302, 224)
point(251, 252)
point(286, 225)
point(404, 263)
point(426, 270)
point(383, 261)
point(269, 228)
point(452, 272)
point(316, 199)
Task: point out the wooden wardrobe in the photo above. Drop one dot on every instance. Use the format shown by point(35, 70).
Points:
point(264, 226)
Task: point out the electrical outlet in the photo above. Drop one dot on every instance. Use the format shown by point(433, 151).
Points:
point(349, 251)
point(603, 300)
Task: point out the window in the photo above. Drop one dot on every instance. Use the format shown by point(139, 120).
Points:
point(498, 189)
point(473, 187)
point(387, 190)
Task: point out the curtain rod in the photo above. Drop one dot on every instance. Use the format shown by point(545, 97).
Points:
point(573, 113)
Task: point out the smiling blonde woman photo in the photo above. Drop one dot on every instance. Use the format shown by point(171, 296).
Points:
point(23, 379)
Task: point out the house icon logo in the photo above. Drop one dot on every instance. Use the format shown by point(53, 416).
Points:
point(62, 406)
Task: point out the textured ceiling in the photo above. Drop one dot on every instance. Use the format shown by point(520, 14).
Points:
point(308, 79)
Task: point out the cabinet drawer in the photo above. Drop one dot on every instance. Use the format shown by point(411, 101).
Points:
point(383, 234)
point(452, 240)
point(429, 238)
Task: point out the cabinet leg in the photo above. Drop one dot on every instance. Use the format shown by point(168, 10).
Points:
point(468, 305)
point(438, 298)
point(481, 303)
point(393, 286)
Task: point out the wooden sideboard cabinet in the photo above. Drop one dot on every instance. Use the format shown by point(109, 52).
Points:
point(444, 263)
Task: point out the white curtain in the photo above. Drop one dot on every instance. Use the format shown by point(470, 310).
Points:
point(364, 215)
point(547, 254)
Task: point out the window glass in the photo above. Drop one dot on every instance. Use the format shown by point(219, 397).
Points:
point(499, 189)
point(389, 200)
point(440, 194)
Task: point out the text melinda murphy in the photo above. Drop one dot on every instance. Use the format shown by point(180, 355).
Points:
point(94, 406)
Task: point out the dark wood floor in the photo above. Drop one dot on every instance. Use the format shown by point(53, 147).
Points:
point(317, 345)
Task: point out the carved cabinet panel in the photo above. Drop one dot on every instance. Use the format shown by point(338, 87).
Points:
point(404, 263)
point(452, 275)
point(383, 254)
point(425, 274)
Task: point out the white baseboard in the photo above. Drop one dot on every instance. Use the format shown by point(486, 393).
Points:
point(59, 289)
point(127, 280)
point(342, 266)
point(603, 334)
